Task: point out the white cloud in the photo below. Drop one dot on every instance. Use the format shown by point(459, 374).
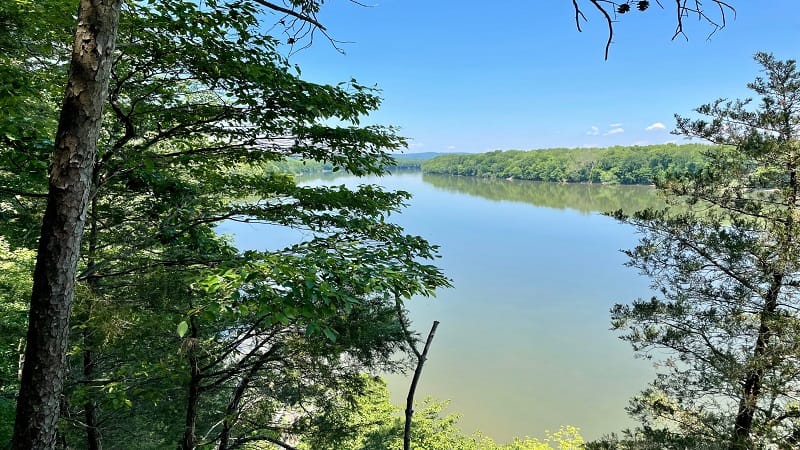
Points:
point(614, 131)
point(594, 131)
point(415, 145)
point(615, 125)
point(451, 147)
point(656, 126)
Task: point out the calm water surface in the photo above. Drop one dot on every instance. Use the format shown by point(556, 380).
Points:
point(524, 343)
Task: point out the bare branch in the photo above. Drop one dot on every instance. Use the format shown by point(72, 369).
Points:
point(610, 25)
point(421, 358)
point(578, 15)
point(610, 8)
point(290, 12)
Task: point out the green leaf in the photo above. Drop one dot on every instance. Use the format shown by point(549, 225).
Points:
point(329, 334)
point(183, 327)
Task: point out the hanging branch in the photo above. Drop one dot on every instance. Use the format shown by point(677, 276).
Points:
point(300, 23)
point(610, 9)
point(309, 18)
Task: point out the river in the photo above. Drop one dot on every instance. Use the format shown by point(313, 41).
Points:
point(524, 343)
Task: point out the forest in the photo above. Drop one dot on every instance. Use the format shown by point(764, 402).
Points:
point(127, 321)
point(612, 165)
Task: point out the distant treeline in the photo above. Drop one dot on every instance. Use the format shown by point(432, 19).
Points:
point(612, 165)
point(305, 166)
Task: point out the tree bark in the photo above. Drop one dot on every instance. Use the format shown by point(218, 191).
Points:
point(753, 380)
point(62, 226)
point(189, 438)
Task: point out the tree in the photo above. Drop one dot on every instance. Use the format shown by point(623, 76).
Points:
point(15, 269)
point(74, 177)
point(71, 180)
point(62, 225)
point(188, 143)
point(727, 271)
point(716, 16)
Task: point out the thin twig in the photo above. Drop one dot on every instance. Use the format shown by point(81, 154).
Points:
point(290, 12)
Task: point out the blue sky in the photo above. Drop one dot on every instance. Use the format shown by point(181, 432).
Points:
point(468, 76)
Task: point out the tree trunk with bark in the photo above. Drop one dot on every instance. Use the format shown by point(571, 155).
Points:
point(753, 381)
point(62, 226)
point(193, 401)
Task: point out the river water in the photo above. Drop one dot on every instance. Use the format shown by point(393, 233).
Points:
point(524, 343)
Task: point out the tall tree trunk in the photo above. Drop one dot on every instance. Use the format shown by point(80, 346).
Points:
point(751, 387)
point(189, 439)
point(62, 226)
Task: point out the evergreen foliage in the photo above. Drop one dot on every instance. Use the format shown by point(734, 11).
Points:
point(726, 271)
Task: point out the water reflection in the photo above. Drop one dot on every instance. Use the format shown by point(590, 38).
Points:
point(585, 198)
point(524, 343)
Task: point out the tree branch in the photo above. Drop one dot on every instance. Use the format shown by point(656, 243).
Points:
point(290, 12)
point(421, 358)
point(682, 9)
point(22, 193)
point(610, 25)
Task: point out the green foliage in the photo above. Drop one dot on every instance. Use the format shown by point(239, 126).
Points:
point(613, 165)
point(16, 268)
point(647, 438)
point(725, 269)
point(307, 167)
point(377, 425)
point(34, 38)
point(205, 123)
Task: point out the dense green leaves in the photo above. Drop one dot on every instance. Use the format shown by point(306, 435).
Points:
point(613, 165)
point(177, 335)
point(16, 269)
point(374, 424)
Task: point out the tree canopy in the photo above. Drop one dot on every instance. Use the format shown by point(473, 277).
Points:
point(177, 336)
point(724, 320)
point(169, 107)
point(613, 165)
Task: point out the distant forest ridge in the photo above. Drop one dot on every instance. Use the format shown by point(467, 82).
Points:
point(420, 156)
point(612, 165)
point(404, 161)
